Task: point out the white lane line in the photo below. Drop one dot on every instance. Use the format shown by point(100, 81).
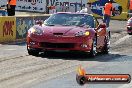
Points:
point(126, 85)
point(121, 40)
point(10, 49)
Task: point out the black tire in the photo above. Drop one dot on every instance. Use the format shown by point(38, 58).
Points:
point(48, 52)
point(93, 51)
point(33, 52)
point(130, 33)
point(106, 46)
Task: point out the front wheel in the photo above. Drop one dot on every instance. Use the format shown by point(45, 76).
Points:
point(106, 46)
point(33, 52)
point(93, 51)
point(130, 33)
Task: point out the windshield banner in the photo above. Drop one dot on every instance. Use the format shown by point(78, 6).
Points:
point(120, 8)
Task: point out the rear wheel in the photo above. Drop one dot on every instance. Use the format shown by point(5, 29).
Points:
point(93, 51)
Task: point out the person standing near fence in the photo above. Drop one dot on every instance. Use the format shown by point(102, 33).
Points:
point(11, 5)
point(130, 8)
point(87, 9)
point(108, 8)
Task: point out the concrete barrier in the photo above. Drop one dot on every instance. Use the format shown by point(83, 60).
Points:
point(7, 29)
point(120, 6)
point(15, 28)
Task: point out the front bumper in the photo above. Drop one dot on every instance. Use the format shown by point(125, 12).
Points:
point(60, 43)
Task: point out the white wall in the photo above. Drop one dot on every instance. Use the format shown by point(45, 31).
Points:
point(28, 5)
point(40, 5)
point(67, 5)
point(31, 5)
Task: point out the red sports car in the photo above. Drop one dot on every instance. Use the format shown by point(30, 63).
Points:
point(68, 31)
point(129, 26)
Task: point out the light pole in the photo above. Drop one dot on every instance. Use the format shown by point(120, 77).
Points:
point(81, 4)
point(47, 8)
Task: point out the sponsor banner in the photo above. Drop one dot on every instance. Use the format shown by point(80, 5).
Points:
point(22, 26)
point(82, 77)
point(103, 78)
point(41, 5)
point(120, 8)
point(25, 23)
point(124, 5)
point(27, 5)
point(67, 5)
point(31, 5)
point(7, 29)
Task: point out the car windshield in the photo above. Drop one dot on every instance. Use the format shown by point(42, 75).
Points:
point(70, 20)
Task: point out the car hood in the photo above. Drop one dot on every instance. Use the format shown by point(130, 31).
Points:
point(62, 30)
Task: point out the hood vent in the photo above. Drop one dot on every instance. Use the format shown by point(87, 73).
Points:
point(57, 33)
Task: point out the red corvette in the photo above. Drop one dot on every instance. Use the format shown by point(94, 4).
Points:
point(68, 31)
point(129, 26)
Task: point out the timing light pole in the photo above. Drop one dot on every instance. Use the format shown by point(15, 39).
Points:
point(81, 4)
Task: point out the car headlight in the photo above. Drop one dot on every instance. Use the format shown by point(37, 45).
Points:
point(87, 33)
point(36, 31)
point(81, 33)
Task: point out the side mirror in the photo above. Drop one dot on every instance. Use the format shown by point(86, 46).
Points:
point(101, 29)
point(103, 25)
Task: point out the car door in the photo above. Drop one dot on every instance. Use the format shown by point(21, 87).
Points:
point(100, 29)
point(101, 33)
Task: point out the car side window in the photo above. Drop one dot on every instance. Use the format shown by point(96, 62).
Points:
point(96, 23)
point(90, 21)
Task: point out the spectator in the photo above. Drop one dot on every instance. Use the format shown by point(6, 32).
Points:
point(11, 4)
point(108, 8)
point(87, 9)
point(52, 9)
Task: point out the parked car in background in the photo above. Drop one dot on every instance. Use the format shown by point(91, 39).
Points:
point(68, 31)
point(129, 26)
